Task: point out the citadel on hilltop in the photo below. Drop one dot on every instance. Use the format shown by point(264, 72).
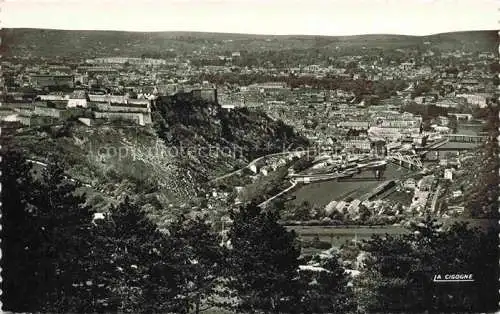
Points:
point(90, 93)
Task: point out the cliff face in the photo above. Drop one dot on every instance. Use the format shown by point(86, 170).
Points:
point(112, 160)
point(212, 140)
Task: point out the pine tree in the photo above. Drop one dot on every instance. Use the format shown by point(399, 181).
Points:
point(48, 262)
point(57, 259)
point(19, 262)
point(201, 244)
point(264, 258)
point(325, 287)
point(63, 224)
point(399, 270)
point(144, 268)
point(384, 283)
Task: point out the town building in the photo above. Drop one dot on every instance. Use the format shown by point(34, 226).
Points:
point(48, 80)
point(79, 98)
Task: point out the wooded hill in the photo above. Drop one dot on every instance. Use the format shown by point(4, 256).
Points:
point(81, 43)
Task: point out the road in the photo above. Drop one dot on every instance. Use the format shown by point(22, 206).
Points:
point(319, 177)
point(293, 184)
point(328, 175)
point(435, 198)
point(36, 162)
point(251, 163)
point(316, 177)
point(45, 165)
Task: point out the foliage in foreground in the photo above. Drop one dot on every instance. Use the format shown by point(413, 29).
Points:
point(399, 270)
point(56, 252)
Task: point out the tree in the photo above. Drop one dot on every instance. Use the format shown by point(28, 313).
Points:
point(379, 288)
point(63, 222)
point(46, 248)
point(55, 253)
point(398, 273)
point(264, 259)
point(453, 124)
point(206, 258)
point(302, 211)
point(364, 213)
point(325, 285)
point(18, 264)
point(302, 164)
point(144, 269)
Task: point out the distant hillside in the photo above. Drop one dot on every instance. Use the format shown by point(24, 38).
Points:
point(44, 42)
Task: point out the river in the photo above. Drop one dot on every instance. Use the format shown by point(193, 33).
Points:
point(321, 193)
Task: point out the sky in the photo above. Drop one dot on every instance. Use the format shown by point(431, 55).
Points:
point(274, 17)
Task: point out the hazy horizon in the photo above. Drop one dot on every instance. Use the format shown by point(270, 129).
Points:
point(250, 34)
point(256, 17)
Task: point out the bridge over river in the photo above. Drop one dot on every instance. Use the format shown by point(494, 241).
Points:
point(466, 138)
point(321, 188)
point(451, 143)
